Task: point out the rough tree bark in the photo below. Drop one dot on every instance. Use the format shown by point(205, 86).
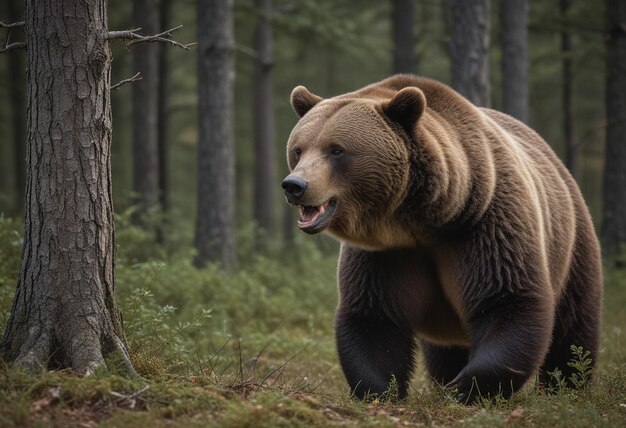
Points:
point(470, 49)
point(403, 32)
point(215, 232)
point(65, 312)
point(145, 108)
point(514, 30)
point(566, 94)
point(18, 107)
point(263, 114)
point(614, 213)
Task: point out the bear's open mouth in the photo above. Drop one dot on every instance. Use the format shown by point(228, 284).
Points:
point(315, 219)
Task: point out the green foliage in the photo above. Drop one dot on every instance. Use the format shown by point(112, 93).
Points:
point(177, 317)
point(138, 244)
point(11, 243)
point(582, 365)
point(157, 346)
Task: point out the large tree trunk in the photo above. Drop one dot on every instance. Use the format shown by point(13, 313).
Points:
point(145, 108)
point(514, 30)
point(566, 94)
point(263, 114)
point(403, 32)
point(65, 312)
point(470, 49)
point(18, 107)
point(614, 218)
point(215, 231)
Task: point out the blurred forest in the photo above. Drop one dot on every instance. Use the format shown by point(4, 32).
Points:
point(331, 47)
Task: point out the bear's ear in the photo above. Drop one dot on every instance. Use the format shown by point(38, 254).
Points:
point(406, 107)
point(302, 100)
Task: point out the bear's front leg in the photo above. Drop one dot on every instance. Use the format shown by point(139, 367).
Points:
point(375, 344)
point(372, 352)
point(510, 338)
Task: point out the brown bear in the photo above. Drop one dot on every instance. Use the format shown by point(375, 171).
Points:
point(459, 227)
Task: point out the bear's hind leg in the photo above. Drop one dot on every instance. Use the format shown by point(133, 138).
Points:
point(577, 318)
point(444, 363)
point(373, 351)
point(510, 337)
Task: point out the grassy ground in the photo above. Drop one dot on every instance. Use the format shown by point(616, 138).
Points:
point(256, 348)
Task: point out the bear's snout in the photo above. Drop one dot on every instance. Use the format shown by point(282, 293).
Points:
point(294, 188)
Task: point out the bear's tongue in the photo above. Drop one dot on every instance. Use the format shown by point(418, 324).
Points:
point(309, 215)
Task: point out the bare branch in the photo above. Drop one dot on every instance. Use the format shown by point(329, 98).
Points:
point(11, 25)
point(15, 45)
point(12, 46)
point(134, 37)
point(124, 35)
point(129, 80)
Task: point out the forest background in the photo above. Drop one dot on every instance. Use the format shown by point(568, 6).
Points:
point(244, 334)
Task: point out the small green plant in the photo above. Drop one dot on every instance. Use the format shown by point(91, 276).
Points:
point(582, 365)
point(558, 382)
point(392, 394)
point(155, 344)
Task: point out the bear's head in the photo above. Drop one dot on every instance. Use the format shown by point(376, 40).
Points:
point(349, 161)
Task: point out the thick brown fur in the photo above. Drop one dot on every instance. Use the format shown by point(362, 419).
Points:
point(459, 227)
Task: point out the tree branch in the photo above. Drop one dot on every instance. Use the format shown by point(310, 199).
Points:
point(12, 46)
point(15, 45)
point(164, 37)
point(129, 80)
point(127, 34)
point(12, 24)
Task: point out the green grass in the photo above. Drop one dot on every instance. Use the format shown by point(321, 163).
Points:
point(256, 348)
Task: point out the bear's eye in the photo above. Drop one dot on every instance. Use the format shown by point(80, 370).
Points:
point(336, 151)
point(297, 153)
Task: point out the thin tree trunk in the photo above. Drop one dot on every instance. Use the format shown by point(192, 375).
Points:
point(65, 312)
point(163, 112)
point(163, 107)
point(215, 232)
point(263, 114)
point(17, 89)
point(567, 79)
point(514, 30)
point(145, 108)
point(614, 215)
point(403, 32)
point(288, 218)
point(470, 49)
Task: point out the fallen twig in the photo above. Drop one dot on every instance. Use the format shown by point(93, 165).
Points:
point(130, 399)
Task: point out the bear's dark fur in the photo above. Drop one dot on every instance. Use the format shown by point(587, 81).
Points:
point(460, 230)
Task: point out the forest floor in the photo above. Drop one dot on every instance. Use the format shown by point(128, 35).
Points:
point(256, 348)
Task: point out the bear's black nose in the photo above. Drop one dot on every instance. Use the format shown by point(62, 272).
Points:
point(294, 187)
